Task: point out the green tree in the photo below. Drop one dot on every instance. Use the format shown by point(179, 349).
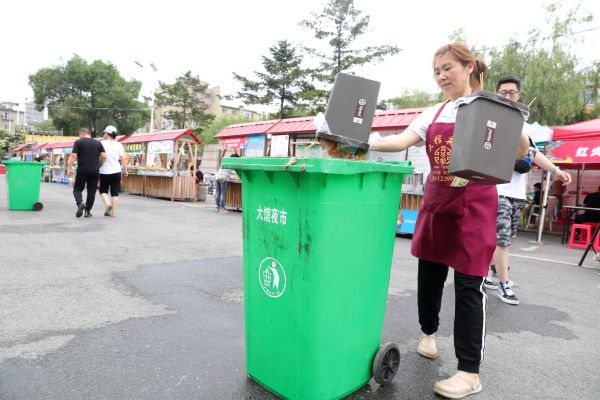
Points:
point(207, 135)
point(409, 99)
point(94, 95)
point(340, 24)
point(8, 141)
point(46, 126)
point(183, 103)
point(283, 83)
point(548, 68)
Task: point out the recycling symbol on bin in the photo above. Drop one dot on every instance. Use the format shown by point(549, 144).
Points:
point(271, 276)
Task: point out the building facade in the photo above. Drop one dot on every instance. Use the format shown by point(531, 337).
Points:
point(10, 116)
point(212, 103)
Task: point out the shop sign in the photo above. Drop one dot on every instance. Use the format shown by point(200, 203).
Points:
point(255, 146)
point(136, 148)
point(233, 143)
point(162, 146)
point(280, 145)
point(578, 152)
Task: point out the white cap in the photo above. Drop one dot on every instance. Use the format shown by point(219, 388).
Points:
point(110, 129)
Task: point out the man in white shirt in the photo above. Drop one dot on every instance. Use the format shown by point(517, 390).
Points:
point(511, 199)
point(110, 173)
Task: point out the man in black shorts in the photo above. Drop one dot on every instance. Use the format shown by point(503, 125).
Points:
point(89, 155)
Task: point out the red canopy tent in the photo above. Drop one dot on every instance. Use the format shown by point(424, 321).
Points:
point(576, 146)
point(586, 130)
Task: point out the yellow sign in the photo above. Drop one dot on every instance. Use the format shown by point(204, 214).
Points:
point(135, 148)
point(40, 139)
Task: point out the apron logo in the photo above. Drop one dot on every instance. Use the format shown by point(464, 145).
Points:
point(271, 276)
point(489, 135)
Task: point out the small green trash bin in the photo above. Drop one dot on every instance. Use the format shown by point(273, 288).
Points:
point(318, 244)
point(23, 180)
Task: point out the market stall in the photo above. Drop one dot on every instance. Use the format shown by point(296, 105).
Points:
point(248, 140)
point(296, 137)
point(162, 164)
point(577, 147)
point(23, 151)
point(58, 157)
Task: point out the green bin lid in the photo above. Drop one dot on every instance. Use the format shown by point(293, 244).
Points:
point(316, 165)
point(21, 162)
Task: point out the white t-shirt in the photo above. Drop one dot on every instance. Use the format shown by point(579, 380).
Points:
point(422, 122)
point(517, 187)
point(114, 151)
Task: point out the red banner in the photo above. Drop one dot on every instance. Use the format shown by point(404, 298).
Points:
point(576, 152)
point(233, 143)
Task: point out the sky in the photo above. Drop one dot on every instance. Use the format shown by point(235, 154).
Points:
point(215, 38)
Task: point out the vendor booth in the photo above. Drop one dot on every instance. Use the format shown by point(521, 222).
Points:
point(162, 164)
point(24, 151)
point(296, 137)
point(577, 147)
point(58, 157)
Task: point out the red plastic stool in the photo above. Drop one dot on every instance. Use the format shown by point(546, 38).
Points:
point(593, 226)
point(585, 233)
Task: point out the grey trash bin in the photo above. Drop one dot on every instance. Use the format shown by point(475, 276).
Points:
point(202, 191)
point(350, 111)
point(486, 137)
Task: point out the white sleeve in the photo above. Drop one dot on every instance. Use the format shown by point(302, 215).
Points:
point(422, 122)
point(121, 150)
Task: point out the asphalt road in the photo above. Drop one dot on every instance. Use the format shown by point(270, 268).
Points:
point(150, 306)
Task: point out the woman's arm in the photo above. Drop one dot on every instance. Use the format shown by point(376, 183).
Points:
point(399, 142)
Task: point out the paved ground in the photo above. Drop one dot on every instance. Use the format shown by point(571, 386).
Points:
point(150, 306)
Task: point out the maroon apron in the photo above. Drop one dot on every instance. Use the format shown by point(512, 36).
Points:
point(456, 226)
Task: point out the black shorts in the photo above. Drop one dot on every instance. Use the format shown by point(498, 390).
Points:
point(112, 181)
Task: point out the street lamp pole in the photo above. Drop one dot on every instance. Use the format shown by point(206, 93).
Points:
point(154, 69)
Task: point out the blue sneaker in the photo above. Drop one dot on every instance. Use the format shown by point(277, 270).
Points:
point(506, 294)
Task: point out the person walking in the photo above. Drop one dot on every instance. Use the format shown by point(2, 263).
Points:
point(456, 223)
point(110, 173)
point(221, 182)
point(89, 154)
point(511, 200)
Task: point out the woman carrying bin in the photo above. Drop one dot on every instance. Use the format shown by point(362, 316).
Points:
point(456, 226)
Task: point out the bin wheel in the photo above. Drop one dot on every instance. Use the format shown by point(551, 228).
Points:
point(386, 363)
point(38, 206)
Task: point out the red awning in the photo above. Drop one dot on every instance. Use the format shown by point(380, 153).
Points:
point(395, 119)
point(22, 146)
point(39, 147)
point(387, 120)
point(247, 129)
point(59, 145)
point(294, 125)
point(577, 152)
point(159, 136)
point(580, 131)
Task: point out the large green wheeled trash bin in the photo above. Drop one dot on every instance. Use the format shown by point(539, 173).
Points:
point(318, 244)
point(23, 180)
